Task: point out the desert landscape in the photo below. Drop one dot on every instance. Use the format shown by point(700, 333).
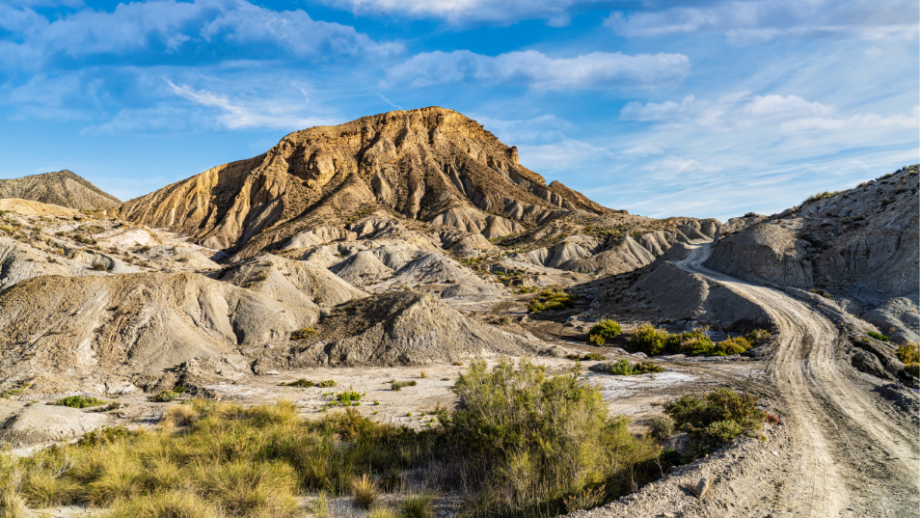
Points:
point(395, 317)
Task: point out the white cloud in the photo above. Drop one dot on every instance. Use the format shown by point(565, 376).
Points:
point(746, 22)
point(175, 25)
point(856, 122)
point(643, 150)
point(62, 97)
point(532, 68)
point(555, 12)
point(728, 112)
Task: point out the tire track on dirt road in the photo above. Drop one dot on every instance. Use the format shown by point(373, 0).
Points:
point(850, 453)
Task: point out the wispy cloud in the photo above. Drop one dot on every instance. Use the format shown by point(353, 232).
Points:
point(535, 69)
point(754, 21)
point(557, 13)
point(171, 26)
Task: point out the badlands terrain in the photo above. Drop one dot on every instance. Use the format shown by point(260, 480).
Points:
point(400, 247)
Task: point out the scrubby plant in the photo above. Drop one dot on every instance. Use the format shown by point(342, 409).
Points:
point(79, 401)
point(879, 336)
point(719, 415)
point(662, 427)
point(587, 498)
point(624, 368)
point(363, 491)
point(300, 383)
point(349, 397)
point(165, 396)
point(603, 331)
point(533, 437)
point(304, 333)
point(757, 336)
point(729, 346)
point(417, 506)
point(505, 320)
point(649, 339)
point(327, 384)
point(594, 357)
point(910, 357)
point(398, 385)
point(552, 299)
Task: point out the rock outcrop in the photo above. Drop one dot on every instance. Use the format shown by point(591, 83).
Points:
point(430, 164)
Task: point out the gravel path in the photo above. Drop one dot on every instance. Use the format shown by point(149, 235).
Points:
point(842, 449)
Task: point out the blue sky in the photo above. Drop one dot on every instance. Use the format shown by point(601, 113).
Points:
point(697, 108)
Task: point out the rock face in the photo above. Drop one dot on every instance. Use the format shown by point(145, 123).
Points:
point(862, 243)
point(403, 328)
point(133, 324)
point(898, 318)
point(430, 164)
point(42, 423)
point(62, 188)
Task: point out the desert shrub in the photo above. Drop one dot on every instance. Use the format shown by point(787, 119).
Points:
point(398, 385)
point(505, 320)
point(587, 498)
point(534, 438)
point(649, 340)
point(79, 402)
point(729, 346)
point(363, 491)
point(662, 427)
point(165, 396)
point(700, 414)
point(594, 357)
point(603, 331)
point(167, 504)
point(624, 368)
point(301, 334)
point(757, 336)
point(327, 384)
point(301, 383)
point(879, 336)
point(552, 299)
point(908, 353)
point(348, 397)
point(417, 506)
point(380, 511)
point(179, 415)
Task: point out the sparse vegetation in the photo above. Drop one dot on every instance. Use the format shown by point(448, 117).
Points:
point(624, 368)
point(552, 299)
point(363, 491)
point(654, 341)
point(910, 357)
point(878, 336)
point(79, 401)
point(300, 383)
point(165, 396)
point(603, 331)
point(716, 416)
point(535, 438)
point(398, 385)
point(301, 334)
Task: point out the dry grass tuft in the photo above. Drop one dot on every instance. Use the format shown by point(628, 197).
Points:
point(363, 491)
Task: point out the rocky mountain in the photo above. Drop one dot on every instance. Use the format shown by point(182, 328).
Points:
point(432, 164)
point(63, 188)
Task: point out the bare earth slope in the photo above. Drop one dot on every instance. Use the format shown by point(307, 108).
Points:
point(431, 164)
point(62, 188)
point(862, 243)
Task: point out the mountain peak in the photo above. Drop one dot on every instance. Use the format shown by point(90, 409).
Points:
point(64, 188)
point(431, 164)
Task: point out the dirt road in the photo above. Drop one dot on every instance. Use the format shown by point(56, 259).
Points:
point(851, 453)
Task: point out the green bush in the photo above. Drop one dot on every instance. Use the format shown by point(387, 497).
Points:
point(327, 384)
point(649, 340)
point(654, 341)
point(624, 368)
point(757, 336)
point(594, 357)
point(710, 415)
point(603, 331)
point(879, 336)
point(301, 383)
point(301, 334)
point(417, 506)
point(79, 402)
point(534, 437)
point(165, 397)
point(398, 385)
point(662, 427)
point(552, 299)
point(348, 397)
